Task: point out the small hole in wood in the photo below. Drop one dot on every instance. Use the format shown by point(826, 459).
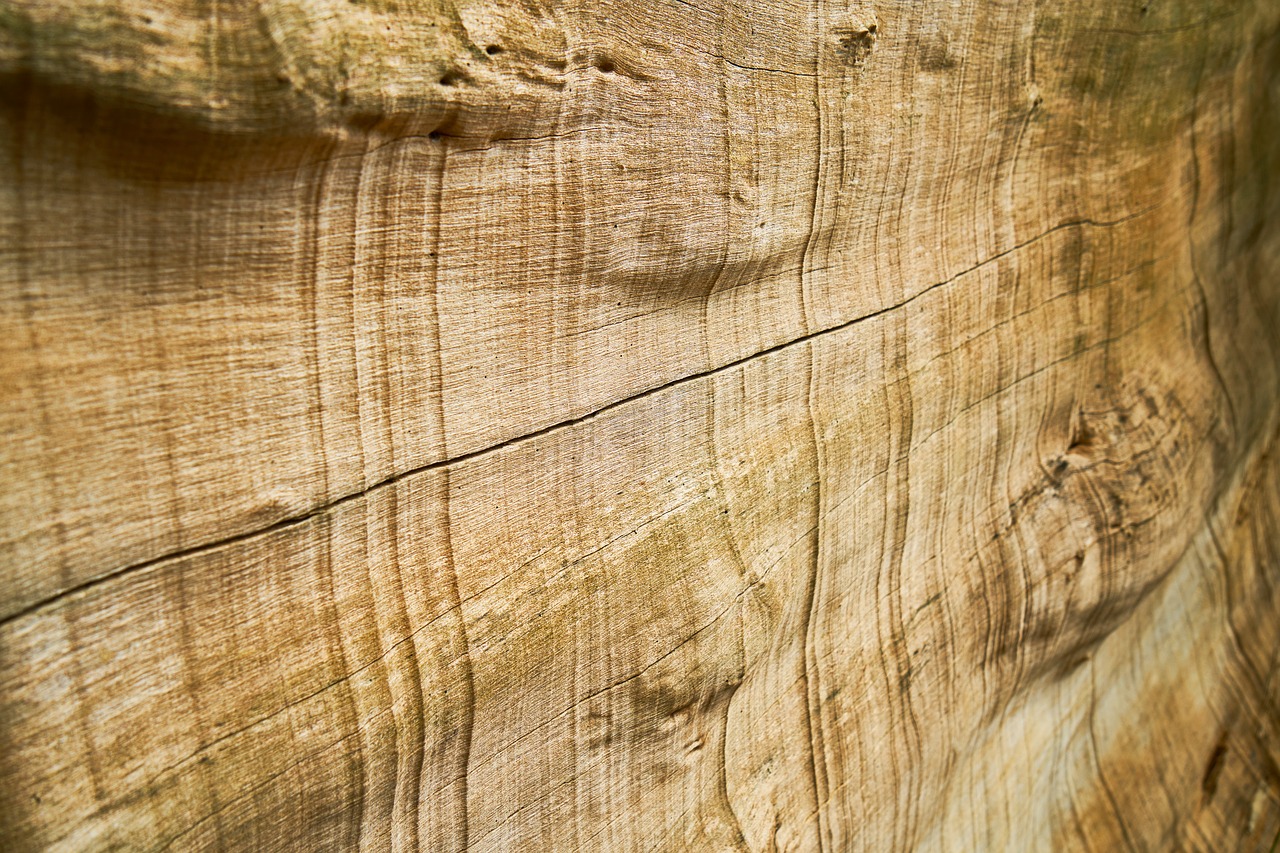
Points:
point(493, 50)
point(605, 66)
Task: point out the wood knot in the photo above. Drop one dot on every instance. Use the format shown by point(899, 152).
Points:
point(856, 45)
point(1082, 439)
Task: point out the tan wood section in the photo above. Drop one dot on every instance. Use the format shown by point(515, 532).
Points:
point(639, 425)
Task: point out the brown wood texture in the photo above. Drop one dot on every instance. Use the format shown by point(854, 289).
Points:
point(662, 424)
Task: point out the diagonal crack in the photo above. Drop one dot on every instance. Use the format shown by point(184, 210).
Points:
point(302, 518)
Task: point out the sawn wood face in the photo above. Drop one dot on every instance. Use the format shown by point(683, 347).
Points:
point(647, 425)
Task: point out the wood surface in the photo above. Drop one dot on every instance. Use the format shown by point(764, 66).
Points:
point(661, 424)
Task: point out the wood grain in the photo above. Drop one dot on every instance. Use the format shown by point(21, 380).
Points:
point(649, 425)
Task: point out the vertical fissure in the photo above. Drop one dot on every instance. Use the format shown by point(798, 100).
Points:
point(809, 661)
point(462, 764)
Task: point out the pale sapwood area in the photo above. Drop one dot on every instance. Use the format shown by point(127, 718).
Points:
point(661, 424)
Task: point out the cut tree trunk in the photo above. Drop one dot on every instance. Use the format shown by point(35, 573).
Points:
point(661, 424)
